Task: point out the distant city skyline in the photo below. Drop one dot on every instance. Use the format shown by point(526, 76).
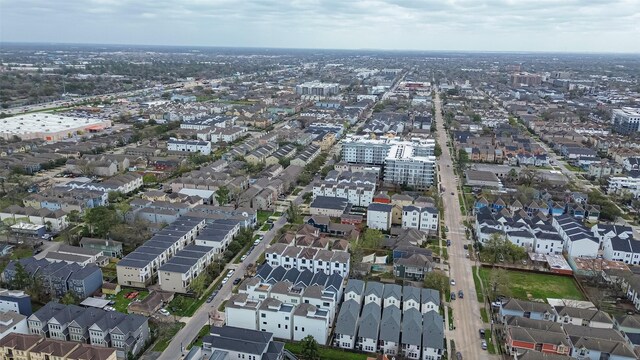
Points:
point(452, 25)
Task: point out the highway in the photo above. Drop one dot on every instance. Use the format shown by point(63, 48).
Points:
point(466, 312)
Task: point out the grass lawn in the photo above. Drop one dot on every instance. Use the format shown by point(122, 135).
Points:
point(122, 303)
point(265, 227)
point(163, 341)
point(202, 333)
point(263, 216)
point(490, 346)
point(296, 191)
point(21, 252)
point(450, 316)
point(476, 282)
point(574, 168)
point(524, 285)
point(483, 314)
point(277, 214)
point(326, 353)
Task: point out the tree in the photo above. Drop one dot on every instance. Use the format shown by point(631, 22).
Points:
point(498, 283)
point(100, 220)
point(115, 196)
point(234, 247)
point(69, 299)
point(222, 195)
point(74, 216)
point(476, 118)
point(294, 215)
point(21, 279)
point(149, 179)
point(372, 238)
point(437, 151)
point(285, 162)
point(325, 170)
point(199, 284)
point(309, 348)
point(436, 280)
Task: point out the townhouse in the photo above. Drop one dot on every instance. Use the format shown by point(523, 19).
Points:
point(58, 277)
point(25, 347)
point(433, 343)
point(126, 333)
point(346, 327)
point(15, 300)
point(125, 183)
point(53, 220)
point(527, 309)
point(411, 339)
point(356, 194)
point(578, 240)
point(306, 156)
point(430, 300)
point(329, 206)
point(422, 218)
point(389, 337)
point(354, 290)
point(315, 260)
point(236, 343)
point(368, 328)
point(139, 268)
point(583, 317)
point(12, 322)
point(524, 334)
point(379, 216)
point(227, 135)
point(189, 146)
point(287, 151)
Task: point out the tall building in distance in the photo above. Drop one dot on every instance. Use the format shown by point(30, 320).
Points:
point(525, 78)
point(406, 162)
point(317, 88)
point(626, 120)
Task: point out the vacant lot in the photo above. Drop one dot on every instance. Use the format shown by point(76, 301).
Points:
point(525, 285)
point(327, 353)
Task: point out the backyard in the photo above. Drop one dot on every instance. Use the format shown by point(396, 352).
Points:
point(527, 285)
point(326, 353)
point(122, 303)
point(263, 216)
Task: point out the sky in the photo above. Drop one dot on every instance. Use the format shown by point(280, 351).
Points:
point(470, 25)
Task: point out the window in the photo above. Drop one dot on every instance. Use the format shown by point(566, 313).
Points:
point(263, 315)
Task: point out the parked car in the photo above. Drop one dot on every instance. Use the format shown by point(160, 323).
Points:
point(453, 296)
point(237, 281)
point(255, 243)
point(243, 257)
point(452, 282)
point(458, 355)
point(482, 334)
point(224, 281)
point(465, 246)
point(164, 312)
point(484, 345)
point(460, 294)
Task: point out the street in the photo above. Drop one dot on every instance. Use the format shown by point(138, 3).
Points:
point(466, 312)
point(201, 317)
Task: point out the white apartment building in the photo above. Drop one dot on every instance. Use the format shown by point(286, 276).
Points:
point(379, 216)
point(315, 260)
point(358, 195)
point(620, 184)
point(403, 166)
point(363, 150)
point(626, 120)
point(194, 146)
point(422, 218)
point(317, 88)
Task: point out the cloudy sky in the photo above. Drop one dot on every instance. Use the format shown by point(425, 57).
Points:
point(495, 25)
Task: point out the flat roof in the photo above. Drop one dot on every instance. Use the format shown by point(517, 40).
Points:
point(45, 123)
point(95, 302)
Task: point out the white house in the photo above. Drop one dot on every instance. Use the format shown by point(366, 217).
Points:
point(430, 300)
point(422, 218)
point(346, 326)
point(368, 328)
point(411, 343)
point(373, 293)
point(240, 311)
point(389, 337)
point(194, 146)
point(379, 216)
point(310, 320)
point(392, 295)
point(432, 336)
point(276, 317)
point(12, 322)
point(411, 298)
point(354, 290)
point(578, 240)
point(584, 317)
point(626, 250)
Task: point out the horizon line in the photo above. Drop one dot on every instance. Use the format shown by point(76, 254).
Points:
point(326, 49)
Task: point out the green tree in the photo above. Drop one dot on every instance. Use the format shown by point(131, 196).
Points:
point(285, 162)
point(21, 279)
point(325, 170)
point(372, 238)
point(498, 283)
point(234, 247)
point(437, 151)
point(436, 280)
point(222, 195)
point(114, 196)
point(74, 216)
point(69, 299)
point(309, 348)
point(294, 215)
point(199, 284)
point(476, 118)
point(149, 179)
point(100, 220)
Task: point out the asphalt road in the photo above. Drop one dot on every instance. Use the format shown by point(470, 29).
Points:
point(201, 317)
point(466, 312)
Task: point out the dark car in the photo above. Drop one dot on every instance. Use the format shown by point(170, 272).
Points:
point(210, 299)
point(458, 355)
point(452, 193)
point(453, 296)
point(237, 281)
point(460, 294)
point(482, 334)
point(465, 246)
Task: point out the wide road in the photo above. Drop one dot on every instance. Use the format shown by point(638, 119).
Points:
point(466, 312)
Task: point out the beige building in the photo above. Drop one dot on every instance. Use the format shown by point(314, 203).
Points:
point(34, 347)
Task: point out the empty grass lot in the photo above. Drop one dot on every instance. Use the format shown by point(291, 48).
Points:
point(122, 303)
point(525, 285)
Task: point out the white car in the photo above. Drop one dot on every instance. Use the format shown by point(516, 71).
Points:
point(224, 281)
point(243, 257)
point(453, 282)
point(164, 312)
point(256, 242)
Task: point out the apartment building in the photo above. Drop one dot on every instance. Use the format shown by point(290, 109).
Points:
point(191, 146)
point(32, 347)
point(404, 166)
point(315, 260)
point(626, 120)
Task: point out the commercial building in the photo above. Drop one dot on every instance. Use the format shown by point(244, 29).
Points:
point(626, 120)
point(49, 127)
point(15, 300)
point(524, 78)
